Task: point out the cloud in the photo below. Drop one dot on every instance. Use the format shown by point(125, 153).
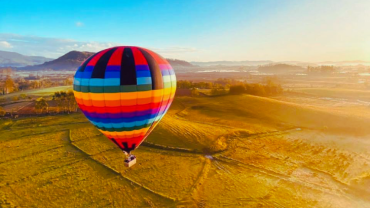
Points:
point(79, 24)
point(5, 44)
point(56, 47)
point(48, 47)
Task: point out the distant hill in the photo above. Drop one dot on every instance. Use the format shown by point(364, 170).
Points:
point(179, 63)
point(72, 60)
point(345, 63)
point(266, 62)
point(69, 61)
point(280, 68)
point(232, 63)
point(13, 59)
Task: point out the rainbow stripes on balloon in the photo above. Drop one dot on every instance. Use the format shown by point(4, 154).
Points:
point(124, 92)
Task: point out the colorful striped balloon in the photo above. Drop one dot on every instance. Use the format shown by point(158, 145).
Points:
point(125, 91)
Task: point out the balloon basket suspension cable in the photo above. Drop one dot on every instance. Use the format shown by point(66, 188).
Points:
point(130, 159)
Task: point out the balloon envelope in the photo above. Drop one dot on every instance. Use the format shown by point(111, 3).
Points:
point(124, 92)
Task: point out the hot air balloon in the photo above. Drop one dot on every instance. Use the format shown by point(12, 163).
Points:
point(125, 91)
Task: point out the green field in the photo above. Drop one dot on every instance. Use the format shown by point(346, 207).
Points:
point(228, 151)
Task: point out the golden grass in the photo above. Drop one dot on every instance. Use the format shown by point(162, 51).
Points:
point(265, 152)
point(337, 93)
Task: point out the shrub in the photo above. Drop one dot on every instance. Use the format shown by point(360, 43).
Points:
point(23, 96)
point(15, 98)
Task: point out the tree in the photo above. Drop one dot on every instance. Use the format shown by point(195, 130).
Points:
point(237, 89)
point(59, 99)
point(23, 84)
point(2, 111)
point(72, 104)
point(2, 100)
point(41, 105)
point(9, 85)
point(35, 84)
point(12, 112)
point(194, 92)
point(68, 81)
point(65, 100)
point(273, 89)
point(257, 89)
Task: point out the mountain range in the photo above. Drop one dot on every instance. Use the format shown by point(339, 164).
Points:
point(13, 59)
point(73, 59)
point(70, 61)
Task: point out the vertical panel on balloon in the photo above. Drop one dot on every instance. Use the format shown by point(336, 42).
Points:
point(172, 89)
point(112, 78)
point(129, 107)
point(157, 83)
point(156, 76)
point(101, 65)
point(168, 87)
point(144, 82)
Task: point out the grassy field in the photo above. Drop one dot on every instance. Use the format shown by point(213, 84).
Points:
point(242, 151)
point(39, 92)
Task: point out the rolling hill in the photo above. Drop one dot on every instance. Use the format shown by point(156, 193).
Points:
point(229, 151)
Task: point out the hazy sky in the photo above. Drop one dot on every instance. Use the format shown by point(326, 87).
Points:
point(193, 30)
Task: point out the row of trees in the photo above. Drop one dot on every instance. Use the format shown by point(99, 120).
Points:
point(12, 112)
point(186, 84)
point(217, 84)
point(224, 86)
point(320, 69)
point(20, 97)
point(20, 84)
point(256, 89)
point(24, 84)
point(6, 71)
point(65, 102)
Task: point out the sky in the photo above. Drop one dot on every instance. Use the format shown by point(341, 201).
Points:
point(192, 30)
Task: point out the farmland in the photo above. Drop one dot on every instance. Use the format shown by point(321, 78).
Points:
point(292, 150)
